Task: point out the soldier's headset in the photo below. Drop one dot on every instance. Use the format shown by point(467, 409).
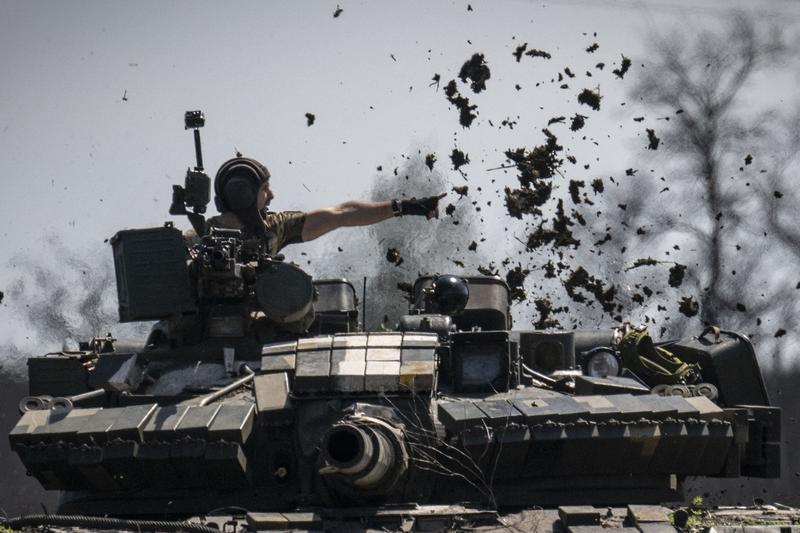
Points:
point(237, 182)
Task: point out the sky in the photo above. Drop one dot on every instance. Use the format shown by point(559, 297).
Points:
point(79, 162)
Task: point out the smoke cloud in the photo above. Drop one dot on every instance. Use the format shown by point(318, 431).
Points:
point(60, 297)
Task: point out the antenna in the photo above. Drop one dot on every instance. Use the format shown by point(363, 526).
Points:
point(364, 306)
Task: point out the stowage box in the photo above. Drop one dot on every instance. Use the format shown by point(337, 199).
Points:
point(152, 280)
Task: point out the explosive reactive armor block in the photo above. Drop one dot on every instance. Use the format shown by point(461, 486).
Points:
point(346, 363)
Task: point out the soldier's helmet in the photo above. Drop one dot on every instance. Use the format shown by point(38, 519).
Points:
point(237, 183)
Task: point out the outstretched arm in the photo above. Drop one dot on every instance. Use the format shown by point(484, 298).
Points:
point(363, 213)
point(354, 213)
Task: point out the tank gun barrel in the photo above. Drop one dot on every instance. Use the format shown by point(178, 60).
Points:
point(365, 454)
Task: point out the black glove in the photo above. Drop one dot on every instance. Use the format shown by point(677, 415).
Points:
point(426, 207)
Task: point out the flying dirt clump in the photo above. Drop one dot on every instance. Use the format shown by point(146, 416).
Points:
point(676, 274)
point(519, 51)
point(578, 121)
point(531, 53)
point(527, 201)
point(461, 191)
point(516, 282)
point(538, 53)
point(407, 290)
point(575, 187)
point(590, 98)
point(581, 279)
point(558, 235)
point(546, 310)
point(459, 159)
point(393, 256)
point(466, 111)
point(623, 69)
point(430, 159)
point(688, 306)
point(477, 71)
point(652, 140)
point(535, 169)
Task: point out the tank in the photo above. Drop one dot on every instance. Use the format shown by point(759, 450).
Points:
point(258, 389)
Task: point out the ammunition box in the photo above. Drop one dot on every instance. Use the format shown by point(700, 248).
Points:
point(152, 280)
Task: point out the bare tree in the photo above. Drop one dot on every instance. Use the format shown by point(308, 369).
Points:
point(699, 86)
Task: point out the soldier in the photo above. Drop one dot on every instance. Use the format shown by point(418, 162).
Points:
point(243, 193)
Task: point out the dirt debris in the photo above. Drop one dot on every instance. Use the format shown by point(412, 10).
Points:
point(476, 71)
point(676, 275)
point(538, 53)
point(527, 201)
point(581, 279)
point(535, 169)
point(590, 98)
point(466, 110)
point(458, 159)
point(489, 270)
point(643, 261)
point(337, 12)
point(688, 306)
point(430, 159)
point(519, 51)
point(575, 187)
point(623, 69)
point(546, 309)
point(310, 118)
point(541, 162)
point(652, 140)
point(407, 290)
point(578, 122)
point(393, 256)
point(516, 282)
point(461, 191)
point(559, 234)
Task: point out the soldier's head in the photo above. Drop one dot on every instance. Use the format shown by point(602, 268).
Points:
point(242, 184)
